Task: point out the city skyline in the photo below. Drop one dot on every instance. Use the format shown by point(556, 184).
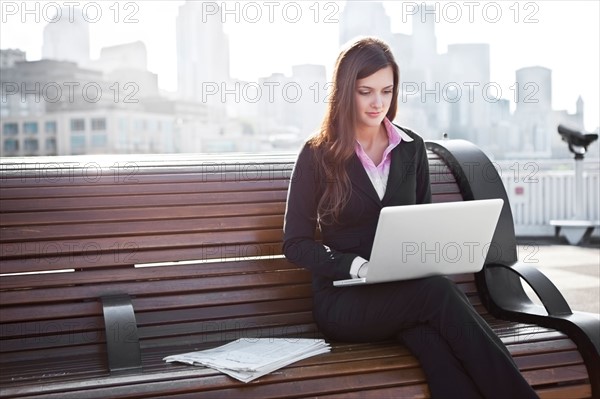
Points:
point(282, 50)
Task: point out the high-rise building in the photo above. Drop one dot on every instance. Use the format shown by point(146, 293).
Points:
point(534, 85)
point(202, 51)
point(467, 72)
point(424, 45)
point(273, 108)
point(533, 114)
point(310, 106)
point(364, 18)
point(421, 77)
point(67, 39)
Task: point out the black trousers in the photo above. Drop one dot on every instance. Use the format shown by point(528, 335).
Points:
point(461, 356)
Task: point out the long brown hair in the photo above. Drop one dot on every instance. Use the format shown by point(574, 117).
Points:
point(336, 136)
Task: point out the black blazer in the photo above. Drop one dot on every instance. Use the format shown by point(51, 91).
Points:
point(408, 183)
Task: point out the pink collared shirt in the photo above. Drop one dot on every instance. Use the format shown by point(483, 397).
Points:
point(378, 174)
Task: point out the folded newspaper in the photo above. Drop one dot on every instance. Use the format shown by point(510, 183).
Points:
point(249, 358)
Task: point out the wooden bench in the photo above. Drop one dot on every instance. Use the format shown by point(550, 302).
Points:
point(109, 264)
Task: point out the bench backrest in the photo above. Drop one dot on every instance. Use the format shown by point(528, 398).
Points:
point(90, 228)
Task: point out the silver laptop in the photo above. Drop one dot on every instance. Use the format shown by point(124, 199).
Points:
point(414, 241)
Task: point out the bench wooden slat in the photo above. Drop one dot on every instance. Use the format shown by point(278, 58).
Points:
point(557, 375)
point(145, 187)
point(65, 217)
point(93, 247)
point(544, 346)
point(444, 188)
point(242, 197)
point(415, 391)
point(48, 327)
point(93, 350)
point(135, 228)
point(450, 197)
point(532, 337)
point(572, 392)
point(70, 369)
point(549, 359)
point(58, 340)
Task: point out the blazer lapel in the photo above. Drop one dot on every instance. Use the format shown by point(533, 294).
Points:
point(360, 179)
point(402, 164)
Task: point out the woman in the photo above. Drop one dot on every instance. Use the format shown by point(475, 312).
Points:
point(355, 165)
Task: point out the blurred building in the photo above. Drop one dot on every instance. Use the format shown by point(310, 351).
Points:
point(364, 18)
point(202, 50)
point(309, 110)
point(123, 56)
point(54, 107)
point(125, 65)
point(533, 113)
point(67, 37)
point(9, 57)
point(464, 91)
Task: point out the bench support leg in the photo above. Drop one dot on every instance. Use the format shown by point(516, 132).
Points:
point(122, 341)
point(577, 235)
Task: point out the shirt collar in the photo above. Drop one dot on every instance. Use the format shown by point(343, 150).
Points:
point(395, 137)
point(393, 130)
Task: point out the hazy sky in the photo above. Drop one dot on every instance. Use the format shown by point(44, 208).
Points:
point(561, 35)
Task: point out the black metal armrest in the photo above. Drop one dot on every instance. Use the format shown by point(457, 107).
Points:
point(553, 301)
point(503, 294)
point(122, 341)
